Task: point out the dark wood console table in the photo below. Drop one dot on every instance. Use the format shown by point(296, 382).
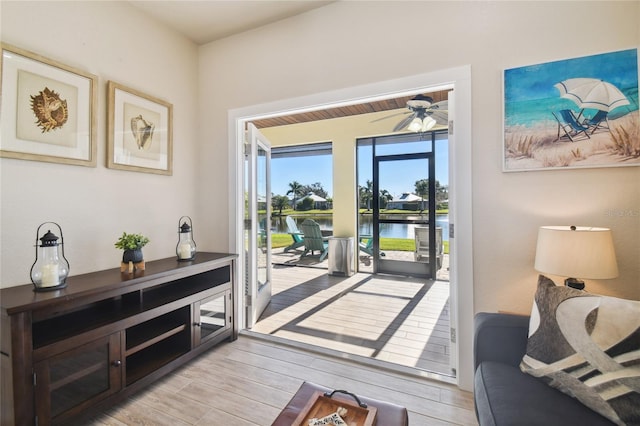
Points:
point(108, 334)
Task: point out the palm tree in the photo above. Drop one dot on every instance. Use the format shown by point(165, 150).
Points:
point(422, 189)
point(385, 197)
point(366, 194)
point(295, 189)
point(442, 192)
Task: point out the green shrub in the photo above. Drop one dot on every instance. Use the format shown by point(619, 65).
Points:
point(131, 241)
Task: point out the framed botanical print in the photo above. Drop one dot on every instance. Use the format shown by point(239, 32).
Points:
point(140, 131)
point(48, 110)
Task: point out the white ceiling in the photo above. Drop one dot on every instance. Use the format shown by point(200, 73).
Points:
point(204, 21)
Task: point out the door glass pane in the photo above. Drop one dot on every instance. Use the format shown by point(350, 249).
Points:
point(263, 218)
point(212, 316)
point(405, 145)
point(404, 189)
point(78, 377)
point(247, 222)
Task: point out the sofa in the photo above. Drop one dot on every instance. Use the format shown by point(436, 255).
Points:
point(503, 394)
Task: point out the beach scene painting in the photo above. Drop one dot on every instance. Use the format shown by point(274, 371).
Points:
point(580, 112)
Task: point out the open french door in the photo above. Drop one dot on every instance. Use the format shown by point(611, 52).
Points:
point(257, 221)
point(453, 250)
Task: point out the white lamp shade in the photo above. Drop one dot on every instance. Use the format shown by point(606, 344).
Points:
point(427, 123)
point(582, 252)
point(416, 125)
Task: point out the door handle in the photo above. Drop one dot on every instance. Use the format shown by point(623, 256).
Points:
point(116, 363)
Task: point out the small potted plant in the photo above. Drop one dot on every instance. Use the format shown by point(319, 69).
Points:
point(132, 245)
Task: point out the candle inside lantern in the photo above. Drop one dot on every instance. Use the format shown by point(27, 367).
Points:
point(184, 251)
point(50, 275)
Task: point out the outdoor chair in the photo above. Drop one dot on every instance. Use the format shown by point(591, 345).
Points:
point(422, 245)
point(313, 239)
point(296, 234)
point(569, 125)
point(599, 121)
point(368, 246)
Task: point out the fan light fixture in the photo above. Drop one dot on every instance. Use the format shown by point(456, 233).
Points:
point(424, 115)
point(421, 124)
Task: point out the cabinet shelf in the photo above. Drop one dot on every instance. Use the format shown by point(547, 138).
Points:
point(153, 357)
point(151, 332)
point(145, 344)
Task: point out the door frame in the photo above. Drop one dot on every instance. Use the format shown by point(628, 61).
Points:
point(460, 183)
point(402, 267)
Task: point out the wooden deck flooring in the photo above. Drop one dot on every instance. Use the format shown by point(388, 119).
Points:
point(248, 382)
point(388, 318)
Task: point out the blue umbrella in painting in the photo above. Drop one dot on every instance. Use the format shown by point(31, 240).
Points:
point(592, 93)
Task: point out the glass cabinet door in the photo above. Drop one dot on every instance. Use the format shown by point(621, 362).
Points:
point(211, 317)
point(77, 377)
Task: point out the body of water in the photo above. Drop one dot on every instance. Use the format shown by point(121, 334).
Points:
point(387, 230)
point(536, 113)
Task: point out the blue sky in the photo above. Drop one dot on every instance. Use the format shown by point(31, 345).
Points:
point(312, 169)
point(537, 81)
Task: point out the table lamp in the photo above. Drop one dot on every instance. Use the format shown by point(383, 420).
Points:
point(576, 252)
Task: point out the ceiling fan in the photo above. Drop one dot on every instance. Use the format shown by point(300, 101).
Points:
point(424, 114)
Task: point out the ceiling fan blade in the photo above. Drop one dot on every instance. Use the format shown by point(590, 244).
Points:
point(442, 105)
point(404, 122)
point(389, 116)
point(441, 117)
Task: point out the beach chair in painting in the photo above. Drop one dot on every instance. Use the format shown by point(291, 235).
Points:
point(313, 239)
point(568, 124)
point(599, 121)
point(296, 235)
point(421, 253)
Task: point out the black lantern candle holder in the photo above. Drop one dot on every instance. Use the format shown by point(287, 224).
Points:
point(50, 269)
point(186, 247)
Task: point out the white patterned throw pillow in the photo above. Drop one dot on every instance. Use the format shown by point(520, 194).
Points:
point(587, 346)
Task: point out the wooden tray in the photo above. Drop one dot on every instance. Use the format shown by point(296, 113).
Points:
point(322, 404)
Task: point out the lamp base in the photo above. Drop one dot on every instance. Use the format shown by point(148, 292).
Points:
point(574, 283)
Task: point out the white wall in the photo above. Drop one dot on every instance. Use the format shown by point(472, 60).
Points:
point(95, 205)
point(353, 43)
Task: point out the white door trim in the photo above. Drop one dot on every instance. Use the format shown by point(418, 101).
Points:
point(461, 259)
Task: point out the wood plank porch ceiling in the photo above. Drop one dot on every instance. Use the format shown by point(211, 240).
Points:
point(344, 111)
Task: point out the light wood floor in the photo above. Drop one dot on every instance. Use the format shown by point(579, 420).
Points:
point(248, 382)
point(388, 318)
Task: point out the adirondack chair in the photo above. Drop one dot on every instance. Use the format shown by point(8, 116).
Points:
point(313, 239)
point(296, 234)
point(422, 245)
point(368, 246)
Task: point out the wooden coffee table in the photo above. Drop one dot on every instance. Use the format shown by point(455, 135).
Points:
point(388, 414)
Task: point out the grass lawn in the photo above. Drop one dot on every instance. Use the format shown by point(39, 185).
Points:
point(286, 212)
point(391, 244)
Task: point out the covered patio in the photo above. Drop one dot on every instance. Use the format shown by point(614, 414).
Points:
point(401, 320)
